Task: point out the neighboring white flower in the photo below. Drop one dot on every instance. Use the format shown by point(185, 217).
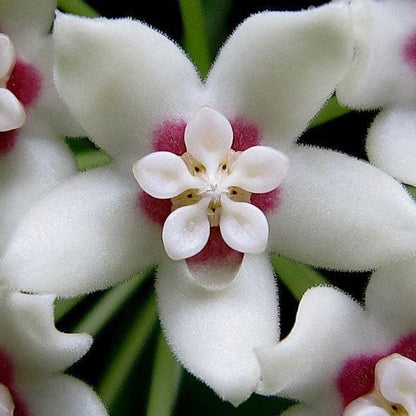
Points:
point(33, 120)
point(136, 94)
point(33, 356)
point(383, 75)
point(343, 360)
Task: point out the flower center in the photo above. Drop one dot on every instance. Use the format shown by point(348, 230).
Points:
point(12, 112)
point(394, 389)
point(210, 185)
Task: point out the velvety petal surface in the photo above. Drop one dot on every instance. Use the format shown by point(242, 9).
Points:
point(391, 143)
point(61, 395)
point(331, 203)
point(29, 337)
point(381, 73)
point(390, 296)
point(86, 235)
point(133, 90)
point(277, 62)
point(28, 173)
point(329, 328)
point(213, 332)
point(24, 20)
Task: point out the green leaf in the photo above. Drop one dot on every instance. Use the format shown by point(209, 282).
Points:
point(64, 306)
point(195, 39)
point(297, 277)
point(78, 7)
point(109, 304)
point(86, 154)
point(117, 373)
point(331, 111)
point(412, 191)
point(166, 378)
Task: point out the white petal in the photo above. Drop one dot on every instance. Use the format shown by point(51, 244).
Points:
point(28, 334)
point(243, 226)
point(86, 235)
point(12, 112)
point(329, 329)
point(391, 144)
point(164, 175)
point(208, 137)
point(24, 20)
point(390, 296)
point(258, 169)
point(6, 401)
point(28, 173)
point(61, 395)
point(186, 231)
point(134, 89)
point(331, 203)
point(364, 407)
point(379, 74)
point(396, 378)
point(213, 333)
point(7, 56)
point(277, 62)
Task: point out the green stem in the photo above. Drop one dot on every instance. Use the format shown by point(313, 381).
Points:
point(64, 306)
point(108, 305)
point(195, 39)
point(78, 7)
point(135, 339)
point(166, 378)
point(331, 111)
point(297, 277)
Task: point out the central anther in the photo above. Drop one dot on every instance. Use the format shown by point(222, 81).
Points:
point(210, 185)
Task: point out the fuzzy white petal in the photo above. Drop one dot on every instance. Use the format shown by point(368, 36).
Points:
point(379, 74)
point(24, 20)
point(277, 62)
point(213, 332)
point(390, 296)
point(87, 234)
point(305, 364)
point(28, 173)
point(7, 55)
point(28, 335)
point(258, 169)
point(330, 204)
point(164, 175)
point(61, 395)
point(208, 137)
point(136, 88)
point(12, 112)
point(243, 226)
point(186, 231)
point(391, 143)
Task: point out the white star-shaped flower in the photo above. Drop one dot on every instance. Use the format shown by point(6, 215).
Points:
point(139, 98)
point(341, 359)
point(383, 75)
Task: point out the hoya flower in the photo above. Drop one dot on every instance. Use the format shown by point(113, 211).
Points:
point(33, 121)
point(220, 182)
point(33, 356)
point(383, 75)
point(342, 359)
